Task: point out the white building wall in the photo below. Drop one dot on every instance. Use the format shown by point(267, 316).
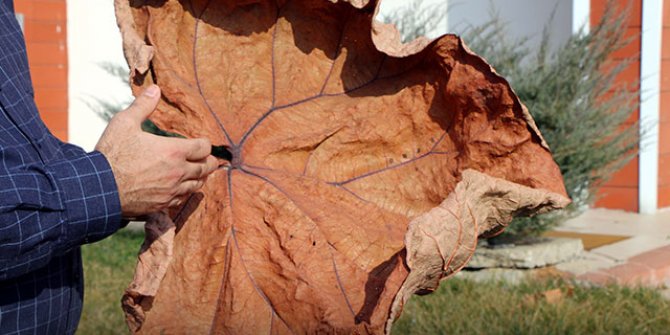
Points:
point(650, 87)
point(93, 37)
point(523, 18)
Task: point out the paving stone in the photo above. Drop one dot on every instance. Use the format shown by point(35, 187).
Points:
point(633, 274)
point(598, 278)
point(629, 273)
point(631, 247)
point(642, 259)
point(613, 222)
point(548, 252)
point(657, 258)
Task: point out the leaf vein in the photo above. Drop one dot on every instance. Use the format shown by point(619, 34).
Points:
point(197, 79)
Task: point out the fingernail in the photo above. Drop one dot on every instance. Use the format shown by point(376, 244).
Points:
point(152, 91)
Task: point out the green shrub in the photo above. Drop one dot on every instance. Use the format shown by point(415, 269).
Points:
point(571, 94)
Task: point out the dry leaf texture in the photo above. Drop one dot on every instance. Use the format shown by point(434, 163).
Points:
point(341, 136)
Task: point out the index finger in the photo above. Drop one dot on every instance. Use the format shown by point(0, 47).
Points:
point(196, 149)
point(201, 169)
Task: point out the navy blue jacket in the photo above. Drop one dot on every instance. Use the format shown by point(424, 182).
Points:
point(54, 197)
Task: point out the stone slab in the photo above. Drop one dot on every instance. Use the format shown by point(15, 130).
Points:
point(510, 276)
point(549, 252)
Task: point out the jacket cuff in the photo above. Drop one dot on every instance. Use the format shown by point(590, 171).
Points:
point(90, 197)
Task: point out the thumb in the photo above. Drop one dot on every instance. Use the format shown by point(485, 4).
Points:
point(144, 104)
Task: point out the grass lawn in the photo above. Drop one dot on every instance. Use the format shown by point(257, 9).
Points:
point(458, 307)
point(466, 307)
point(108, 268)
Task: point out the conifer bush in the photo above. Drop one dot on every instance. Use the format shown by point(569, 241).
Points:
point(572, 94)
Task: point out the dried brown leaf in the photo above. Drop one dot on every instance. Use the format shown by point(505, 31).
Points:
point(554, 296)
point(341, 136)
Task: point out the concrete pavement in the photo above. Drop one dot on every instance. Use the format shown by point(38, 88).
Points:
point(643, 257)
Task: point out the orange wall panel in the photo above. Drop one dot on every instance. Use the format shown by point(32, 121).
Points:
point(45, 31)
point(664, 138)
point(52, 98)
point(664, 126)
point(630, 75)
point(664, 196)
point(48, 76)
point(628, 176)
point(665, 106)
point(632, 47)
point(665, 44)
point(625, 198)
point(47, 53)
point(634, 8)
point(621, 192)
point(55, 118)
point(665, 75)
point(44, 10)
point(664, 166)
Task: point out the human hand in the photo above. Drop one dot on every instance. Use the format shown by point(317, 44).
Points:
point(152, 172)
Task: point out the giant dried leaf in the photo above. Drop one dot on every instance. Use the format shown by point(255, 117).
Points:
point(340, 136)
